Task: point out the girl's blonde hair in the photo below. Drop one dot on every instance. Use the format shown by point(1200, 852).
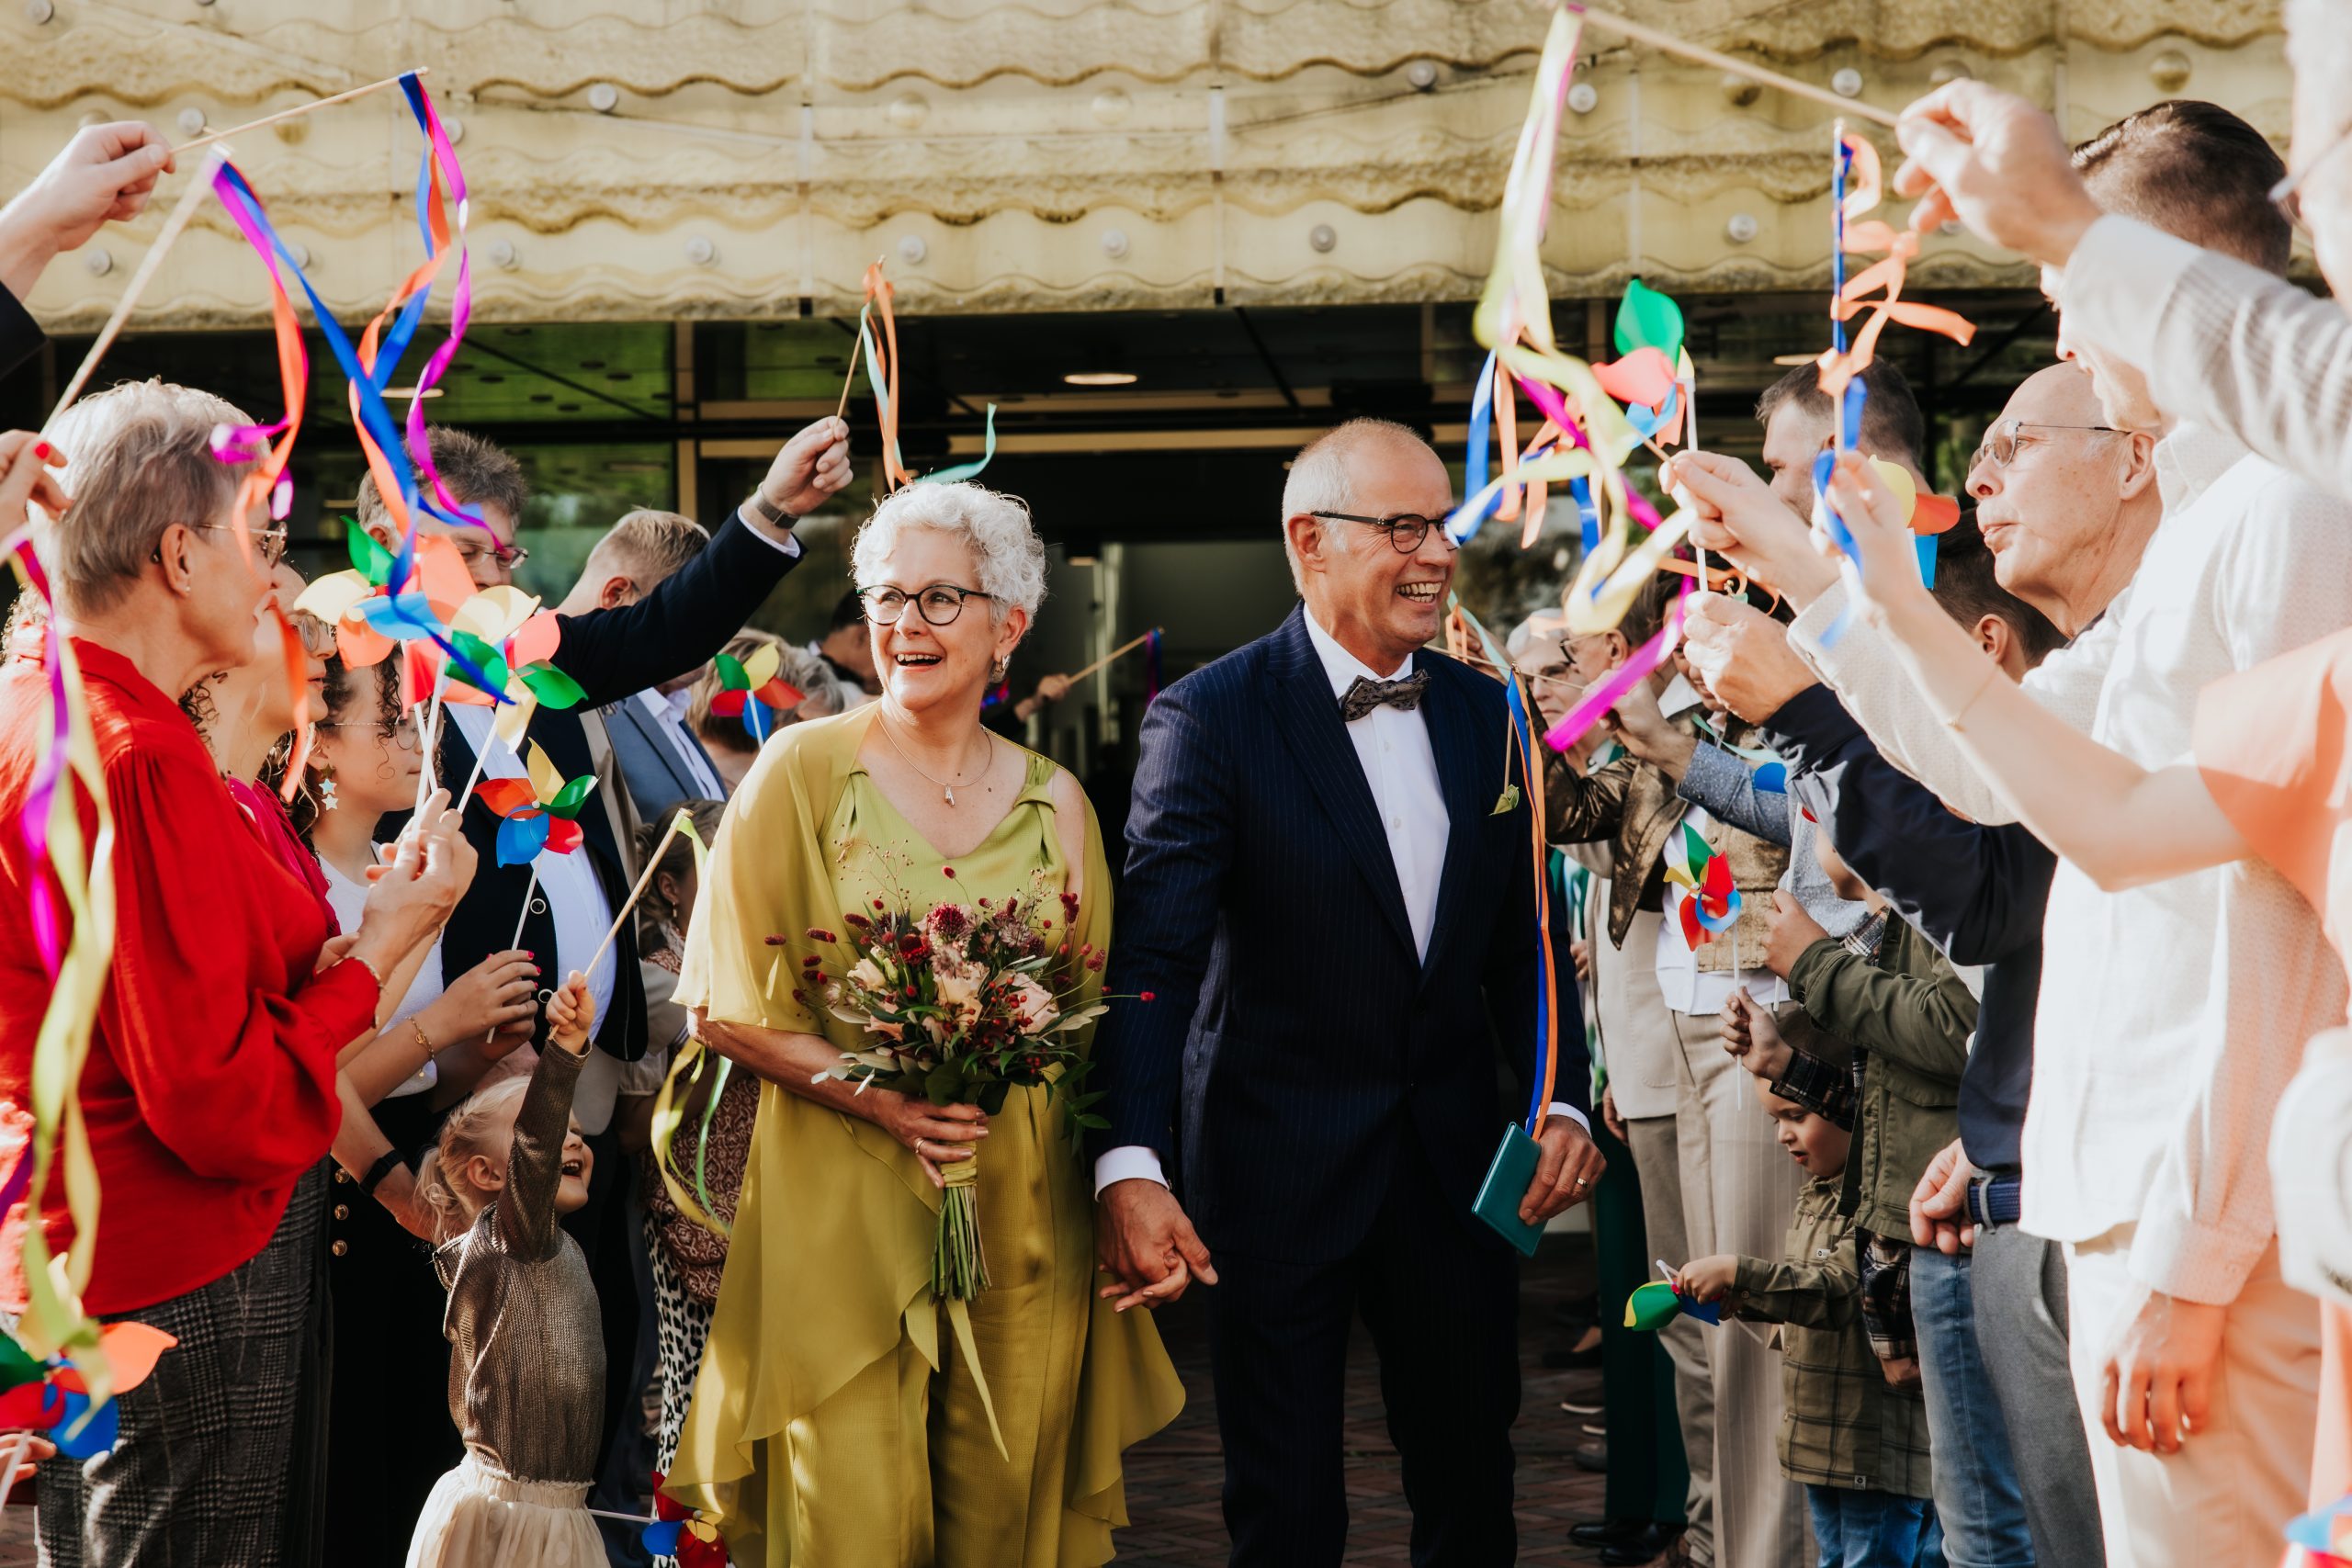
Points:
point(468, 1131)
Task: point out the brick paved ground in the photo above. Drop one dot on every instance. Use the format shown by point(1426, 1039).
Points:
point(1172, 1479)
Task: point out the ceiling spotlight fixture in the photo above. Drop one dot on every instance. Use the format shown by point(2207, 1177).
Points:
point(405, 392)
point(1794, 360)
point(1100, 379)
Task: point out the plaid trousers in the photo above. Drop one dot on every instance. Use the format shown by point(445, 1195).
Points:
point(198, 1479)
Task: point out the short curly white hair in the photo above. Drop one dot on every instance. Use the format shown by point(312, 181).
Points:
point(1011, 556)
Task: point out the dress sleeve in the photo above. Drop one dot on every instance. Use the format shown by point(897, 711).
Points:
point(228, 1044)
point(731, 972)
point(526, 1216)
point(2271, 748)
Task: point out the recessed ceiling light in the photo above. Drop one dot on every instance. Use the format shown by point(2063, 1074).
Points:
point(1794, 360)
point(1100, 379)
point(410, 391)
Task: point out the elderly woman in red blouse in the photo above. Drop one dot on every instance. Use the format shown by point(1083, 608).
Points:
point(209, 1090)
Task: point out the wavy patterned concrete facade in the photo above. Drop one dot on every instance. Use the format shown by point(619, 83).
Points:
point(636, 158)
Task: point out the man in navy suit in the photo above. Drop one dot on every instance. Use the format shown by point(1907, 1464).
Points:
point(661, 759)
point(1329, 895)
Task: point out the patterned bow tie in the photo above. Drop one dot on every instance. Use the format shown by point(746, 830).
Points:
point(1366, 696)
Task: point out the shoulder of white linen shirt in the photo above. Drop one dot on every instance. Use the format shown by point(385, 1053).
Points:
point(2283, 570)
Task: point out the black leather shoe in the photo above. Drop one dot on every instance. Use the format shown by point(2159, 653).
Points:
point(1593, 1457)
point(1646, 1545)
point(1598, 1534)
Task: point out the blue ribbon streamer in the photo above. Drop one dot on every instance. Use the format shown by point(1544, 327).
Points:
point(229, 184)
point(1465, 523)
point(1523, 726)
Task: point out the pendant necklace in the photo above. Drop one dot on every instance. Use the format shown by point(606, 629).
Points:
point(947, 788)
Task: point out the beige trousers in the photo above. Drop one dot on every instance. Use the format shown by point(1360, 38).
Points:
point(1739, 1190)
point(1658, 1162)
point(2229, 1492)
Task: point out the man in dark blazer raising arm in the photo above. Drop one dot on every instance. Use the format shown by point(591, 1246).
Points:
point(1328, 896)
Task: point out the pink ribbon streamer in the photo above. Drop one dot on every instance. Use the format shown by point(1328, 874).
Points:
point(1601, 698)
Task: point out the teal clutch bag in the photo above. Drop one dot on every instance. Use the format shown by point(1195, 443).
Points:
point(1499, 1195)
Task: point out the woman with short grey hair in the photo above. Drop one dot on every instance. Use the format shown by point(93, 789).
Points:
point(211, 1086)
point(846, 1438)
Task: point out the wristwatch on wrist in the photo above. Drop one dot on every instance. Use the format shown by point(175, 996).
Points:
point(773, 516)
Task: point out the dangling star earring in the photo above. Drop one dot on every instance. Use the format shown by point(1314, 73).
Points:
point(327, 801)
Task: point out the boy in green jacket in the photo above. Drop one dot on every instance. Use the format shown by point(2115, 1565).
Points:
point(1884, 992)
point(1858, 1447)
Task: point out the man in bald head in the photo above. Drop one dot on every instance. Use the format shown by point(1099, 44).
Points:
point(1329, 912)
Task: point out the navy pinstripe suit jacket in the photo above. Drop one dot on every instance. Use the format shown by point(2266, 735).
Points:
point(1296, 1037)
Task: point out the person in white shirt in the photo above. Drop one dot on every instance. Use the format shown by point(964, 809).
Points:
point(2172, 1016)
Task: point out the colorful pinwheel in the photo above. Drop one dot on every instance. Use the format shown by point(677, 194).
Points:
point(1657, 1303)
point(2326, 1535)
point(52, 1395)
point(752, 689)
point(370, 617)
point(678, 1531)
point(1708, 903)
point(537, 812)
point(511, 640)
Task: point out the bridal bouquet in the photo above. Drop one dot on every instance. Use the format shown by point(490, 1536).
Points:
point(959, 1004)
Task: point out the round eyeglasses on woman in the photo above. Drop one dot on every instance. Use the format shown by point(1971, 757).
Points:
point(2006, 436)
point(940, 603)
point(1406, 530)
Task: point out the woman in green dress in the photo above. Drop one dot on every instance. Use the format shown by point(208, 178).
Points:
point(841, 1416)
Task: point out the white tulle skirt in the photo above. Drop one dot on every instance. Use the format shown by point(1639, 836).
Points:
point(479, 1519)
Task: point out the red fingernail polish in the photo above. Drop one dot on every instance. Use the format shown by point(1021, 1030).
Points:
point(41, 450)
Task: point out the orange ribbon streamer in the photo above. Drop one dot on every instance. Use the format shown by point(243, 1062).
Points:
point(1867, 237)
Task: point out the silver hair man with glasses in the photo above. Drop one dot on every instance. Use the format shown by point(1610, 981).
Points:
point(2171, 1018)
point(1328, 897)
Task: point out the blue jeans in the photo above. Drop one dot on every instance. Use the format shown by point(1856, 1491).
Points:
point(1873, 1529)
point(1978, 1500)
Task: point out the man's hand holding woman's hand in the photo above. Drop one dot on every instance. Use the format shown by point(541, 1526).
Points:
point(1143, 1240)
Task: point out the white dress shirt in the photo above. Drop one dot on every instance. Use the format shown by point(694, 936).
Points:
point(2222, 342)
point(669, 715)
point(1400, 766)
point(582, 914)
point(349, 901)
point(2172, 1016)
